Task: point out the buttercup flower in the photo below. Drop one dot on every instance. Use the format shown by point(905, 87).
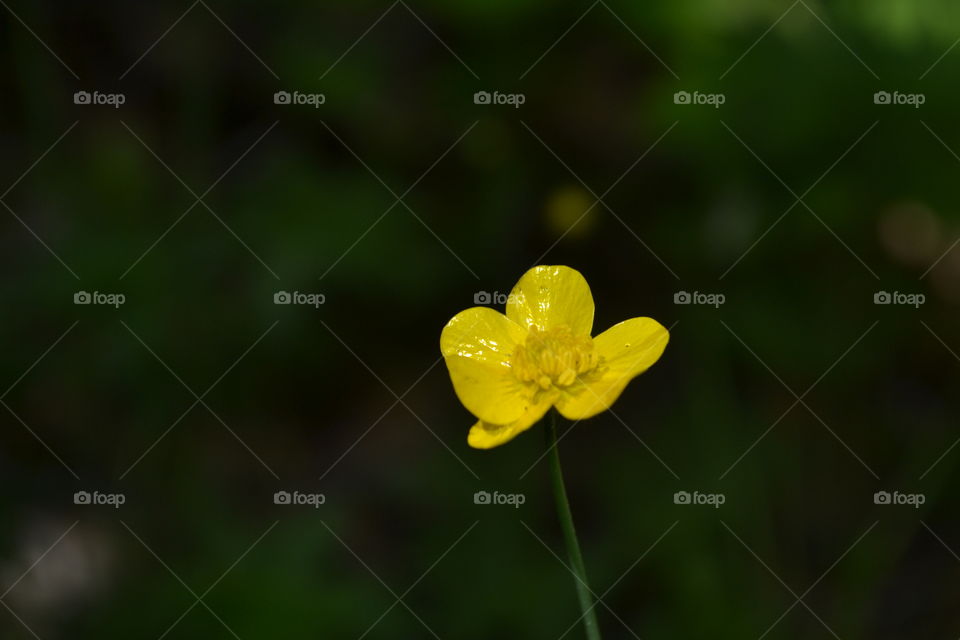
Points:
point(509, 370)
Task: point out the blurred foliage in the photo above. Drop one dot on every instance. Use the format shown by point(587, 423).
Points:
point(301, 199)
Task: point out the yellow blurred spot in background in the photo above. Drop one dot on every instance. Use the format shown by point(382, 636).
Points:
point(571, 211)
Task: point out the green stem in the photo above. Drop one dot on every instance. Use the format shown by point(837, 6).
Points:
point(584, 595)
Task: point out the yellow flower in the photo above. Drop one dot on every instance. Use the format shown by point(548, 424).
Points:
point(509, 370)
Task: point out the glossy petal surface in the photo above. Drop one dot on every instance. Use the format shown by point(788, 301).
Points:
point(484, 435)
point(476, 345)
point(627, 349)
point(551, 296)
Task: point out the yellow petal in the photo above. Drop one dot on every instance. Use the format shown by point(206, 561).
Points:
point(485, 435)
point(627, 350)
point(476, 345)
point(547, 297)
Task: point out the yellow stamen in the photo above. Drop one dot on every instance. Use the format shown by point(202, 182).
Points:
point(553, 358)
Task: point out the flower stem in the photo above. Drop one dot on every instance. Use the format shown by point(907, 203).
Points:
point(570, 534)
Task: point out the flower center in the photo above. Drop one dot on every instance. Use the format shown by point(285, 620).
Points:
point(553, 358)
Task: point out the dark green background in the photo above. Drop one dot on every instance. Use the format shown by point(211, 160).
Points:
point(799, 111)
